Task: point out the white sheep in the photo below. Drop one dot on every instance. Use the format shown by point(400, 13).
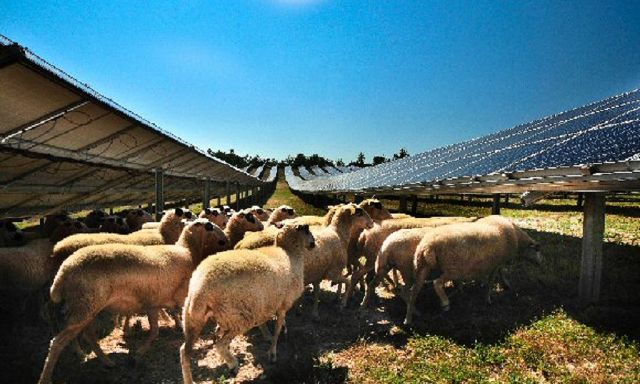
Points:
point(170, 229)
point(283, 212)
point(240, 289)
point(114, 224)
point(121, 278)
point(95, 218)
point(262, 214)
point(215, 216)
point(371, 240)
point(467, 251)
point(135, 218)
point(329, 258)
point(239, 224)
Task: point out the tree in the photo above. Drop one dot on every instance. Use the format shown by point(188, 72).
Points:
point(340, 163)
point(360, 160)
point(403, 153)
point(379, 160)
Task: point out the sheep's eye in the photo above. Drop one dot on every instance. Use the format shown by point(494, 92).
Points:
point(208, 227)
point(251, 218)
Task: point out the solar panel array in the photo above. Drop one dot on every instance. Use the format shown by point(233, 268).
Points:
point(601, 132)
point(270, 175)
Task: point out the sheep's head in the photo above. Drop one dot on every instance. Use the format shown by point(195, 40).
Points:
point(260, 213)
point(353, 216)
point(114, 224)
point(532, 253)
point(326, 220)
point(52, 221)
point(375, 209)
point(246, 222)
point(10, 235)
point(283, 212)
point(136, 217)
point(95, 218)
point(215, 215)
point(203, 238)
point(177, 215)
point(294, 236)
point(67, 228)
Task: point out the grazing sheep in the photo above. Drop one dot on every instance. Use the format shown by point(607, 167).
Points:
point(214, 215)
point(136, 218)
point(95, 218)
point(371, 240)
point(171, 226)
point(467, 251)
point(10, 235)
point(121, 278)
point(114, 224)
point(241, 289)
point(239, 224)
point(329, 258)
point(283, 212)
point(261, 213)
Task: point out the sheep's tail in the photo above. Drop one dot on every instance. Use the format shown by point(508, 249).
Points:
point(55, 293)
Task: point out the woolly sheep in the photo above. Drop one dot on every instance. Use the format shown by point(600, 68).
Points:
point(261, 213)
point(215, 216)
point(239, 224)
point(371, 240)
point(329, 258)
point(95, 218)
point(52, 221)
point(283, 212)
point(114, 224)
point(240, 289)
point(467, 251)
point(121, 278)
point(170, 229)
point(136, 218)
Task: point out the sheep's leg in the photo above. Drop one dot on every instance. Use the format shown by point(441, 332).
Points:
point(192, 331)
point(152, 316)
point(89, 335)
point(438, 285)
point(58, 343)
point(126, 326)
point(222, 346)
point(421, 275)
point(280, 316)
point(371, 288)
point(316, 300)
point(265, 331)
point(357, 277)
point(503, 277)
point(342, 280)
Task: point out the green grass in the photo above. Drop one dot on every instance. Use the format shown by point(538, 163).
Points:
point(284, 196)
point(554, 349)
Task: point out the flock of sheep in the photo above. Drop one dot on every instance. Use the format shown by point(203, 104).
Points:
point(240, 270)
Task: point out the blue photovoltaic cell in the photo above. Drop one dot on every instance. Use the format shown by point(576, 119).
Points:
point(604, 131)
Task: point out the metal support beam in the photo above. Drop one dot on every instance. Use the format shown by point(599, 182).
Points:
point(46, 118)
point(206, 197)
point(414, 205)
point(237, 196)
point(159, 193)
point(495, 207)
point(592, 241)
point(227, 192)
point(403, 204)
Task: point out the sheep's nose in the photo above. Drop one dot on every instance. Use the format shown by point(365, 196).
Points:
point(312, 245)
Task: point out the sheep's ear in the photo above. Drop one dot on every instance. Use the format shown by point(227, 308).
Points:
point(241, 215)
point(179, 211)
point(208, 226)
point(207, 211)
point(278, 225)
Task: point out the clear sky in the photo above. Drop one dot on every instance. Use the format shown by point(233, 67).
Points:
point(278, 77)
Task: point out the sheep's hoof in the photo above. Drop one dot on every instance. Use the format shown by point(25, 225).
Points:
point(445, 308)
point(272, 356)
point(407, 321)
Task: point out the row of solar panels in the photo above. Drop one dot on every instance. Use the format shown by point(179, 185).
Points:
point(63, 145)
point(594, 147)
point(315, 172)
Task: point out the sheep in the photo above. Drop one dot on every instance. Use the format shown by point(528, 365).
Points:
point(171, 226)
point(371, 240)
point(261, 213)
point(135, 218)
point(10, 235)
point(283, 212)
point(240, 289)
point(52, 221)
point(95, 218)
point(466, 251)
point(214, 215)
point(114, 224)
point(240, 223)
point(124, 278)
point(329, 258)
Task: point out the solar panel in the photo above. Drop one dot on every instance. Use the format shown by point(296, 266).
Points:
point(601, 132)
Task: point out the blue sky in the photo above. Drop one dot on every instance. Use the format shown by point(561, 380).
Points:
point(278, 77)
